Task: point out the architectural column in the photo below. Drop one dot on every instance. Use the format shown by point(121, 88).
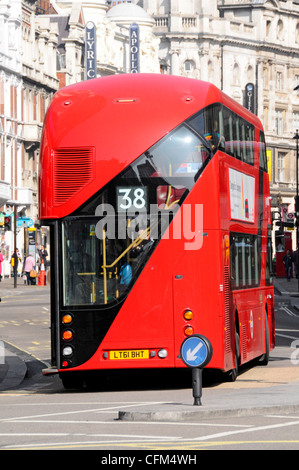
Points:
point(175, 65)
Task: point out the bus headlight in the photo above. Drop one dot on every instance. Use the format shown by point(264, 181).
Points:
point(162, 354)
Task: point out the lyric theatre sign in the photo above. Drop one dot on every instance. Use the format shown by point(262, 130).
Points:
point(90, 50)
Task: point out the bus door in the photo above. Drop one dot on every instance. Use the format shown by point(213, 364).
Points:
point(248, 298)
point(183, 307)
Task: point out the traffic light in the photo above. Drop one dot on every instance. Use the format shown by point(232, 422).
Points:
point(7, 222)
point(297, 210)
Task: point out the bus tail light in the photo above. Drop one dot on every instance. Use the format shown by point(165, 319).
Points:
point(188, 330)
point(67, 335)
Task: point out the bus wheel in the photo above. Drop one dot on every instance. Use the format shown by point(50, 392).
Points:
point(72, 380)
point(233, 373)
point(264, 358)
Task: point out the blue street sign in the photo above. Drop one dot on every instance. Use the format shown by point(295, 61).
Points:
point(196, 351)
point(24, 222)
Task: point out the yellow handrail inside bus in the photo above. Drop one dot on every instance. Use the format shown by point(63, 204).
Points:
point(144, 234)
point(135, 243)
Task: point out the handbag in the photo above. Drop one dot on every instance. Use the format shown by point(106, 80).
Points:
point(33, 273)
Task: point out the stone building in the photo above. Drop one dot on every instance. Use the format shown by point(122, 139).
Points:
point(233, 43)
point(112, 24)
point(42, 49)
point(27, 83)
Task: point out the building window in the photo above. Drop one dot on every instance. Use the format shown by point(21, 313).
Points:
point(163, 69)
point(266, 118)
point(279, 121)
point(268, 27)
point(60, 61)
point(279, 81)
point(295, 121)
point(280, 167)
point(280, 30)
point(266, 77)
point(236, 74)
point(189, 66)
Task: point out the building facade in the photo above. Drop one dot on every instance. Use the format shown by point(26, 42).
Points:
point(233, 43)
point(112, 21)
point(27, 83)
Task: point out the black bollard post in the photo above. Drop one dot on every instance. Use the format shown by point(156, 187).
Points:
point(196, 353)
point(197, 385)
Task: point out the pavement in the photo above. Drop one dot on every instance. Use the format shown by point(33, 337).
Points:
point(13, 361)
point(258, 389)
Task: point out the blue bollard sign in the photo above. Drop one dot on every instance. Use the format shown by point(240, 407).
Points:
point(196, 351)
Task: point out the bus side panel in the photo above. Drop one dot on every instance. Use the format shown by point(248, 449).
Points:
point(251, 322)
point(199, 287)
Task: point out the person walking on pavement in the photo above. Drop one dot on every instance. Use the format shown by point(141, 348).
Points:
point(28, 268)
point(288, 261)
point(295, 260)
point(15, 260)
point(43, 255)
point(1, 261)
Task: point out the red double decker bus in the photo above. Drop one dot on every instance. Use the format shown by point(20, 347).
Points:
point(156, 192)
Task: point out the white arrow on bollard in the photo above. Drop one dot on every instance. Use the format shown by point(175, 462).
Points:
point(191, 355)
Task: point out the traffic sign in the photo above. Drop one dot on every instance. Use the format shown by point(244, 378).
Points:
point(291, 216)
point(24, 222)
point(196, 351)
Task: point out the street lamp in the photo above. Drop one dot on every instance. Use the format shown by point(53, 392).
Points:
point(296, 136)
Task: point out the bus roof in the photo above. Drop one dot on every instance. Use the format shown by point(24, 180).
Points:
point(120, 116)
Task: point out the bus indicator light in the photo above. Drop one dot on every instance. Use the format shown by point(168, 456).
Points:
point(67, 319)
point(226, 249)
point(188, 315)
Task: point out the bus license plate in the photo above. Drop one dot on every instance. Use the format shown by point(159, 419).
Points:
point(130, 354)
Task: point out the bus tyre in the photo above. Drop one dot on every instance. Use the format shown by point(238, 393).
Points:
point(233, 373)
point(72, 380)
point(264, 358)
